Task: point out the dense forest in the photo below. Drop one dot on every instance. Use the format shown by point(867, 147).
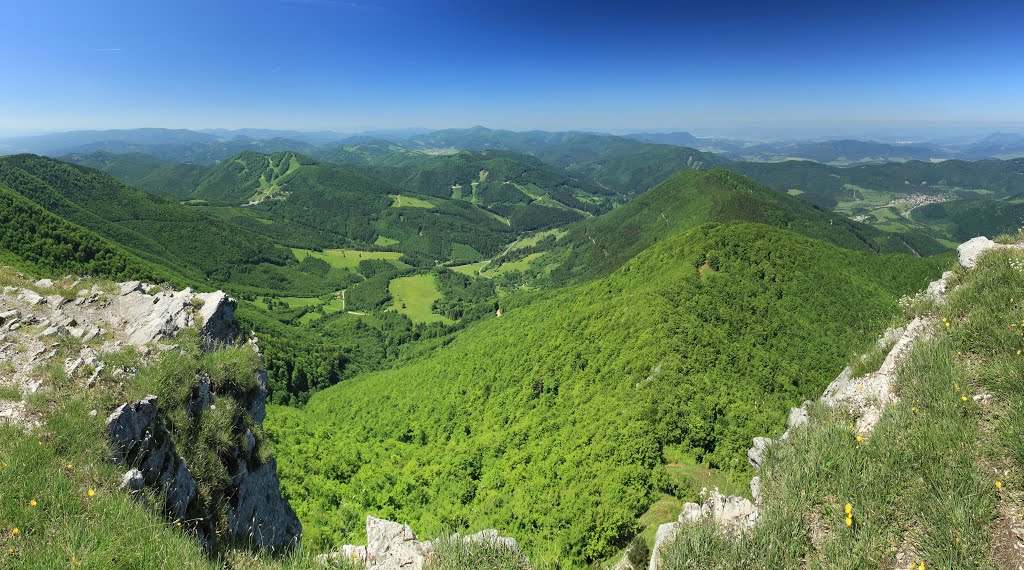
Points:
point(550, 421)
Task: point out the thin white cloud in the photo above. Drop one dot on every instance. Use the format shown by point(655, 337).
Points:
point(108, 49)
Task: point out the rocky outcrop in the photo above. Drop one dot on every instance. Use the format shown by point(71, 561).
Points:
point(35, 316)
point(141, 441)
point(257, 514)
point(36, 319)
point(393, 546)
point(732, 514)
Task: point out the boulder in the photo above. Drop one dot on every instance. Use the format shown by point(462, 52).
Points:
point(969, 251)
point(393, 546)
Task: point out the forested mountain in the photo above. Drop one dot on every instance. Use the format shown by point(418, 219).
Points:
point(157, 230)
point(50, 245)
point(600, 245)
point(527, 192)
point(552, 421)
point(618, 164)
point(144, 171)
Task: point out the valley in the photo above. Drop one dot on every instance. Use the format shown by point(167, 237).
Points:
point(480, 338)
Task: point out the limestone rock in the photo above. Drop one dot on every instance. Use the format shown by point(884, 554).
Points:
point(259, 514)
point(217, 315)
point(132, 481)
point(969, 251)
point(755, 455)
point(393, 546)
point(141, 442)
point(937, 289)
point(798, 416)
point(755, 489)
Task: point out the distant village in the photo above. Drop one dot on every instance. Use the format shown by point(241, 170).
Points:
point(917, 200)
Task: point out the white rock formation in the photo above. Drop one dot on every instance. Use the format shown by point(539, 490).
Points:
point(393, 546)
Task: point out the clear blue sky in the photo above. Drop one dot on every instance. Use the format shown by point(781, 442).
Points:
point(354, 64)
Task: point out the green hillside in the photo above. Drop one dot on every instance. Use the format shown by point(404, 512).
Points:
point(964, 219)
point(144, 171)
point(34, 239)
point(197, 247)
point(552, 421)
point(600, 245)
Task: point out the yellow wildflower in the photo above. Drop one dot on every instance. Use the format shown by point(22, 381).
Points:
point(849, 521)
point(860, 438)
point(14, 531)
point(69, 467)
point(91, 492)
point(963, 398)
point(848, 508)
point(999, 485)
point(32, 503)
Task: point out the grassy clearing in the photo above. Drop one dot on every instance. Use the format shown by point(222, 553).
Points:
point(401, 201)
point(349, 258)
point(535, 238)
point(385, 241)
point(520, 265)
point(935, 482)
point(414, 297)
point(471, 269)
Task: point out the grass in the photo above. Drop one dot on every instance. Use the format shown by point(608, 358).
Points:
point(414, 297)
point(471, 269)
point(923, 485)
point(9, 392)
point(349, 258)
point(450, 553)
point(385, 241)
point(535, 238)
point(511, 266)
point(408, 202)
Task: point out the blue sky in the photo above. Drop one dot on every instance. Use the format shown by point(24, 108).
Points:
point(358, 64)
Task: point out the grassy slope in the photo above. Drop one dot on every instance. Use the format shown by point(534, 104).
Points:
point(939, 482)
point(548, 423)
